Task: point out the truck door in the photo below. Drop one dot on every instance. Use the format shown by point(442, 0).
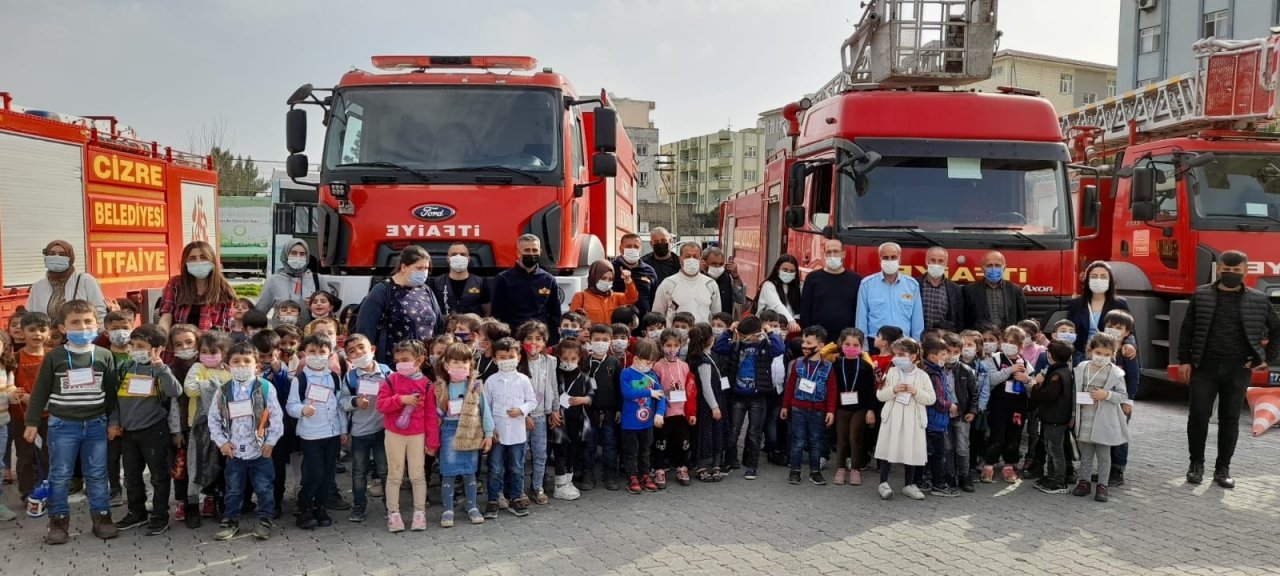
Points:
point(1154, 246)
point(818, 215)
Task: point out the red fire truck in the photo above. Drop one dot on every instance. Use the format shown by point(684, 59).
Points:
point(1180, 172)
point(884, 153)
point(127, 206)
point(432, 150)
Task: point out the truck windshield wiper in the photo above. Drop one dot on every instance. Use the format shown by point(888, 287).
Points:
point(912, 230)
point(1015, 231)
point(392, 165)
point(1256, 216)
point(496, 168)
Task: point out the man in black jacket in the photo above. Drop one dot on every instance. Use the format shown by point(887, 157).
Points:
point(995, 299)
point(943, 302)
point(1220, 343)
point(460, 291)
point(526, 292)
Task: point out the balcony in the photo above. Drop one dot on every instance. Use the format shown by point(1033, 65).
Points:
point(720, 161)
point(720, 185)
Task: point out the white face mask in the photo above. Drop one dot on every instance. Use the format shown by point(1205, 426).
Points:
point(1099, 285)
point(508, 365)
point(654, 334)
point(119, 337)
point(188, 354)
point(618, 346)
point(141, 356)
point(717, 330)
point(903, 363)
point(834, 262)
point(200, 270)
point(287, 319)
point(989, 347)
point(568, 365)
point(890, 267)
point(1009, 349)
point(642, 366)
point(937, 270)
point(361, 362)
point(968, 352)
point(715, 271)
point(57, 264)
point(458, 263)
point(296, 262)
point(786, 277)
point(690, 266)
point(242, 373)
point(598, 348)
point(631, 255)
point(1112, 332)
point(1101, 360)
point(604, 285)
point(317, 362)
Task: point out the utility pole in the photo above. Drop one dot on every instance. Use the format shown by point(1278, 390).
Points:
point(665, 166)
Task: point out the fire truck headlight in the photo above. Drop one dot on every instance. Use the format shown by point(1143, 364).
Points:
point(339, 189)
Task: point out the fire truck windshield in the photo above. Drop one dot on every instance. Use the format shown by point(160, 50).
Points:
point(958, 191)
point(1232, 191)
point(466, 130)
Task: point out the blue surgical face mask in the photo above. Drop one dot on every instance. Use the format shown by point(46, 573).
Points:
point(81, 337)
point(1068, 337)
point(994, 273)
point(418, 277)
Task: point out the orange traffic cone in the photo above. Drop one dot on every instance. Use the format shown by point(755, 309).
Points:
point(1265, 403)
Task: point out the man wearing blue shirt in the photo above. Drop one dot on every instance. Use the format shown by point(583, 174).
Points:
point(889, 298)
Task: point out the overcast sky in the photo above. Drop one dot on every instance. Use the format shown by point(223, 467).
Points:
point(168, 68)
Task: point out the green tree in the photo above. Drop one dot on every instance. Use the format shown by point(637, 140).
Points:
point(237, 176)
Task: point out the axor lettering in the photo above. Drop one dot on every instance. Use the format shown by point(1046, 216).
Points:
point(433, 231)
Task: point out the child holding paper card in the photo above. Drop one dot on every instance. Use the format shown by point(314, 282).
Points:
point(1098, 421)
point(314, 399)
point(906, 393)
point(364, 380)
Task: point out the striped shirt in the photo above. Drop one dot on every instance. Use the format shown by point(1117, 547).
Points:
point(74, 385)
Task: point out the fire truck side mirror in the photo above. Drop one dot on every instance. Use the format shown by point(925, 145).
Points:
point(795, 217)
point(795, 187)
point(606, 130)
point(1142, 193)
point(1090, 208)
point(295, 130)
point(604, 165)
point(296, 166)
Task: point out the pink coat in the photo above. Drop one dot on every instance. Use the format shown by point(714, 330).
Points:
point(424, 419)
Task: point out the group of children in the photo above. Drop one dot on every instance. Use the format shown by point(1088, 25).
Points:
point(219, 415)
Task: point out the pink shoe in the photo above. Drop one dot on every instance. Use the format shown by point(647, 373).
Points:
point(419, 521)
point(839, 479)
point(1009, 474)
point(988, 474)
point(855, 477)
point(394, 522)
point(682, 476)
point(660, 478)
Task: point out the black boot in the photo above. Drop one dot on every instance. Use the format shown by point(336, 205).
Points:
point(1222, 477)
point(1195, 473)
point(193, 515)
point(322, 517)
point(306, 520)
point(611, 481)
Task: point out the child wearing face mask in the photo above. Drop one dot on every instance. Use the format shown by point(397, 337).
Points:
point(412, 430)
point(906, 394)
point(643, 406)
point(316, 399)
point(466, 430)
point(620, 344)
point(712, 402)
point(1119, 325)
point(490, 331)
point(809, 404)
point(204, 458)
point(511, 401)
point(274, 369)
point(1035, 358)
point(288, 312)
point(569, 421)
point(1098, 421)
point(541, 370)
point(973, 356)
point(855, 380)
point(1007, 408)
point(681, 323)
point(672, 437)
point(603, 370)
point(652, 325)
point(368, 435)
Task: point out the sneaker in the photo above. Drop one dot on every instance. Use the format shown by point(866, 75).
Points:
point(192, 515)
point(1032, 473)
point(227, 529)
point(1100, 494)
point(446, 520)
point(57, 533)
point(475, 516)
point(157, 525)
point(491, 510)
point(913, 492)
point(322, 517)
point(611, 482)
point(131, 520)
point(839, 479)
point(395, 523)
point(682, 476)
point(966, 483)
point(307, 520)
point(793, 477)
point(925, 485)
point(944, 491)
point(633, 485)
point(117, 498)
point(988, 474)
point(1009, 474)
point(180, 511)
point(7, 515)
point(1082, 488)
point(1052, 487)
point(855, 477)
point(520, 509)
point(263, 530)
point(1117, 478)
point(1195, 474)
point(375, 488)
point(540, 497)
point(1222, 477)
point(718, 474)
point(822, 464)
point(209, 507)
point(336, 502)
point(886, 491)
point(750, 474)
point(103, 527)
point(357, 515)
point(503, 503)
point(816, 477)
point(420, 520)
point(660, 479)
point(705, 475)
point(648, 484)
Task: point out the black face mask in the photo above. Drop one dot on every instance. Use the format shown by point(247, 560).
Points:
point(661, 250)
point(529, 261)
point(1232, 280)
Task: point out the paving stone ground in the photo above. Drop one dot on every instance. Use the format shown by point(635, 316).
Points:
point(1154, 524)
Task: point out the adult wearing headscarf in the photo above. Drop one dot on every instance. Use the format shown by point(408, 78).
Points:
point(295, 281)
point(401, 307)
point(63, 283)
point(599, 300)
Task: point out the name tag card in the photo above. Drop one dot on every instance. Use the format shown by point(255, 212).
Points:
point(141, 385)
point(240, 409)
point(807, 386)
point(564, 400)
point(676, 396)
point(903, 398)
point(79, 379)
point(455, 407)
point(1083, 398)
point(368, 388)
point(319, 393)
point(1011, 386)
point(724, 382)
point(848, 398)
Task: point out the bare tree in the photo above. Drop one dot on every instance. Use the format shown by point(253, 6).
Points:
point(208, 136)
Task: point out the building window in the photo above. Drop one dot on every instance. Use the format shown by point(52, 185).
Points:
point(1089, 98)
point(749, 175)
point(642, 149)
point(1217, 24)
point(644, 180)
point(1111, 88)
point(997, 71)
point(1147, 81)
point(1149, 40)
point(750, 153)
point(1066, 83)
